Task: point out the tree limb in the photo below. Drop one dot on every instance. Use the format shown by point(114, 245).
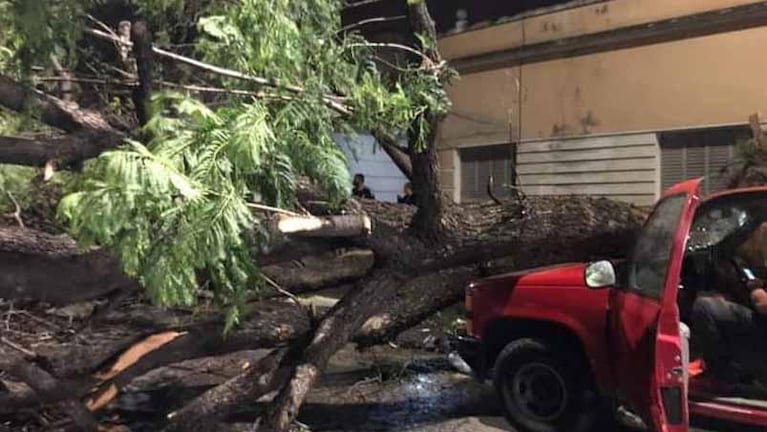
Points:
point(399, 157)
point(142, 45)
point(370, 21)
point(46, 387)
point(65, 150)
point(202, 413)
point(50, 110)
point(331, 100)
point(351, 5)
point(430, 64)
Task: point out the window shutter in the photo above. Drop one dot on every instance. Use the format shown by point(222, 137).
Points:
point(478, 164)
point(468, 180)
point(672, 166)
point(719, 157)
point(699, 153)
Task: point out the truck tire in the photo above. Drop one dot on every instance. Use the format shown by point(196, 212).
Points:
point(543, 390)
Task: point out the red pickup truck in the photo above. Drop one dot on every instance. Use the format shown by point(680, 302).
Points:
point(559, 342)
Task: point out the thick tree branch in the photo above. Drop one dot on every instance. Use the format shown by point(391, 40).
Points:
point(399, 157)
point(202, 413)
point(141, 38)
point(64, 150)
point(50, 110)
point(46, 387)
point(333, 332)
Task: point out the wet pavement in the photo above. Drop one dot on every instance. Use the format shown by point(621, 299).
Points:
point(382, 389)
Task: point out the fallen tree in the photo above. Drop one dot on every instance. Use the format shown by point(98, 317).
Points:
point(183, 185)
point(394, 296)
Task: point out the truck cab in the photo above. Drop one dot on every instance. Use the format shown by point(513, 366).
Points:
point(561, 343)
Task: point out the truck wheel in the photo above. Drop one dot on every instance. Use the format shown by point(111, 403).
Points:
point(542, 390)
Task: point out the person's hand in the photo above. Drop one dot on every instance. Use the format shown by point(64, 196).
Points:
point(759, 300)
point(755, 284)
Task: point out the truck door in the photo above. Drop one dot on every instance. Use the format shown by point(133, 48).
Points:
point(644, 316)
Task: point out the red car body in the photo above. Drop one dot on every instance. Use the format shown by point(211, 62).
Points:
point(631, 343)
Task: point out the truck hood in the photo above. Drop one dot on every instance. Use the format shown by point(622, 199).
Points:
point(561, 275)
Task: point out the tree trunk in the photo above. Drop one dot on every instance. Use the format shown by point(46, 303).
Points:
point(427, 221)
point(333, 332)
point(318, 272)
point(401, 290)
point(44, 267)
point(65, 150)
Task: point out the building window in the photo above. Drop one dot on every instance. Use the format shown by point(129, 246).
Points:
point(699, 153)
point(478, 164)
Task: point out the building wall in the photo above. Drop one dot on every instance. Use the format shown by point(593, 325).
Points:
point(588, 124)
point(561, 22)
point(623, 167)
point(710, 80)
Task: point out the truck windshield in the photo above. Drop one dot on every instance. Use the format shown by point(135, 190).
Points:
point(732, 224)
point(649, 262)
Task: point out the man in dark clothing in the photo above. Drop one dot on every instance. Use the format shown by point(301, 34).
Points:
point(359, 189)
point(730, 329)
point(732, 337)
point(408, 197)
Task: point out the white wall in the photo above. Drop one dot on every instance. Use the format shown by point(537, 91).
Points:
point(366, 157)
point(622, 167)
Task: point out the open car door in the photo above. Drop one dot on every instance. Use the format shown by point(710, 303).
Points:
point(644, 325)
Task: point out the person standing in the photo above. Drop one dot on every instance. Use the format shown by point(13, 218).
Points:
point(359, 189)
point(408, 197)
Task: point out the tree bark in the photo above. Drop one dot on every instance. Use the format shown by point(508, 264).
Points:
point(397, 155)
point(142, 48)
point(44, 267)
point(65, 150)
point(50, 110)
point(332, 333)
point(100, 372)
point(46, 387)
point(427, 221)
point(318, 272)
point(95, 134)
point(202, 414)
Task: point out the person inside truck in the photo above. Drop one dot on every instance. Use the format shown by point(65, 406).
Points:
point(729, 322)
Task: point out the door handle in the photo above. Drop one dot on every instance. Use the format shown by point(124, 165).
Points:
point(677, 371)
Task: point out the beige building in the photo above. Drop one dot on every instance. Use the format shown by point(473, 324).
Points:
point(616, 98)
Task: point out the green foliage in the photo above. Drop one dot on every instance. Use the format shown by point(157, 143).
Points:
point(16, 182)
point(35, 29)
point(176, 209)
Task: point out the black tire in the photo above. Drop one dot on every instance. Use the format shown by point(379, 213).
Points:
point(543, 390)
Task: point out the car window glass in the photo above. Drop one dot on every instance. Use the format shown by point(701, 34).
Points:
point(652, 253)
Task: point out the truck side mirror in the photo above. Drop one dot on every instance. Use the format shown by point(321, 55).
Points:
point(600, 274)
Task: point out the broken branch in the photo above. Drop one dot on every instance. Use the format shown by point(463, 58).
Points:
point(330, 100)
